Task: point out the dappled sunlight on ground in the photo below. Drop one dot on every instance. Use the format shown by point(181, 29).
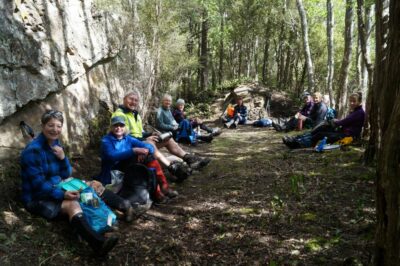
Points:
point(255, 203)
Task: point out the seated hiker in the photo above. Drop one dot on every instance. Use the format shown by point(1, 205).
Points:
point(330, 113)
point(134, 126)
point(179, 115)
point(317, 114)
point(43, 166)
point(182, 131)
point(119, 151)
point(239, 115)
point(294, 122)
point(334, 130)
point(228, 113)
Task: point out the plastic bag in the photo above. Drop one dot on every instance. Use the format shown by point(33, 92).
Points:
point(97, 213)
point(117, 178)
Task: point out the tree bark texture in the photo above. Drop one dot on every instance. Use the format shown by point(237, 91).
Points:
point(374, 114)
point(307, 52)
point(204, 52)
point(341, 99)
point(266, 54)
point(388, 169)
point(331, 52)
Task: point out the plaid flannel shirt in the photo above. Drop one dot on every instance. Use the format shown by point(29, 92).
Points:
point(42, 171)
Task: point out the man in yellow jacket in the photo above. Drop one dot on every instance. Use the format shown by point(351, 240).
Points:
point(134, 125)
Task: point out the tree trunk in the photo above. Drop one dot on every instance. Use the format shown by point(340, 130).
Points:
point(374, 95)
point(388, 168)
point(204, 52)
point(266, 54)
point(307, 53)
point(341, 100)
point(255, 55)
point(221, 50)
point(331, 52)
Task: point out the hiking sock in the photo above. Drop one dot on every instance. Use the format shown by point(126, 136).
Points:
point(161, 179)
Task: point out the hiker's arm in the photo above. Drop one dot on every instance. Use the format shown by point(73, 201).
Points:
point(31, 163)
point(65, 166)
point(349, 120)
point(244, 112)
point(140, 144)
point(110, 153)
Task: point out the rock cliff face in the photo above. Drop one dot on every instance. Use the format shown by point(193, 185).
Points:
point(61, 54)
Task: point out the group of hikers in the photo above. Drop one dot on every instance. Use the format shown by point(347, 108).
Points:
point(128, 150)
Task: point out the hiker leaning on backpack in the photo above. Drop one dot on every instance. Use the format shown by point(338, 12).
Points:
point(43, 166)
point(239, 115)
point(334, 130)
point(179, 115)
point(165, 122)
point(134, 126)
point(119, 151)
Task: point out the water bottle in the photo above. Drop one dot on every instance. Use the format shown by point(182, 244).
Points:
point(164, 136)
point(321, 145)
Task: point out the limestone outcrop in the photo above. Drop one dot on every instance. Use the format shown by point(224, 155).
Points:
point(61, 54)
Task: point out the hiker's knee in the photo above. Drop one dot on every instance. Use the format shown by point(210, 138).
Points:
point(70, 207)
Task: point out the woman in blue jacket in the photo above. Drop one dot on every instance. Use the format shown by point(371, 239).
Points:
point(119, 151)
point(43, 166)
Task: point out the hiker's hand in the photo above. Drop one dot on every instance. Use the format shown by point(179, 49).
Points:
point(59, 152)
point(71, 195)
point(176, 127)
point(153, 138)
point(156, 133)
point(141, 151)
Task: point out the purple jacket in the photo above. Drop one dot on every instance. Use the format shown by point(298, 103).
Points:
point(353, 123)
point(306, 110)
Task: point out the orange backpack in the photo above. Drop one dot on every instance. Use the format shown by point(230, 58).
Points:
point(230, 111)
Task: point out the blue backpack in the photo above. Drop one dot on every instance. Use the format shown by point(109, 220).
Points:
point(185, 133)
point(98, 215)
point(263, 122)
point(330, 114)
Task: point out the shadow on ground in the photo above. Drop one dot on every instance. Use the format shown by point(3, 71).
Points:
point(256, 203)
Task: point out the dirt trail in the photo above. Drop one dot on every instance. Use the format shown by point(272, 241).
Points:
point(256, 203)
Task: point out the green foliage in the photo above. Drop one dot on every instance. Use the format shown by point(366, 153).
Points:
point(237, 34)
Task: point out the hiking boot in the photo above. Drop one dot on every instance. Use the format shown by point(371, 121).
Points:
point(196, 162)
point(179, 170)
point(207, 138)
point(161, 199)
point(293, 144)
point(108, 245)
point(277, 127)
point(170, 193)
point(216, 132)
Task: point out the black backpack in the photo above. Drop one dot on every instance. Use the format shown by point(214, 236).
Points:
point(139, 184)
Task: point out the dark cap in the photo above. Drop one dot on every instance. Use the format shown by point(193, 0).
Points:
point(117, 120)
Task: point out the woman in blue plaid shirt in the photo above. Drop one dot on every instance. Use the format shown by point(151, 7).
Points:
point(43, 166)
